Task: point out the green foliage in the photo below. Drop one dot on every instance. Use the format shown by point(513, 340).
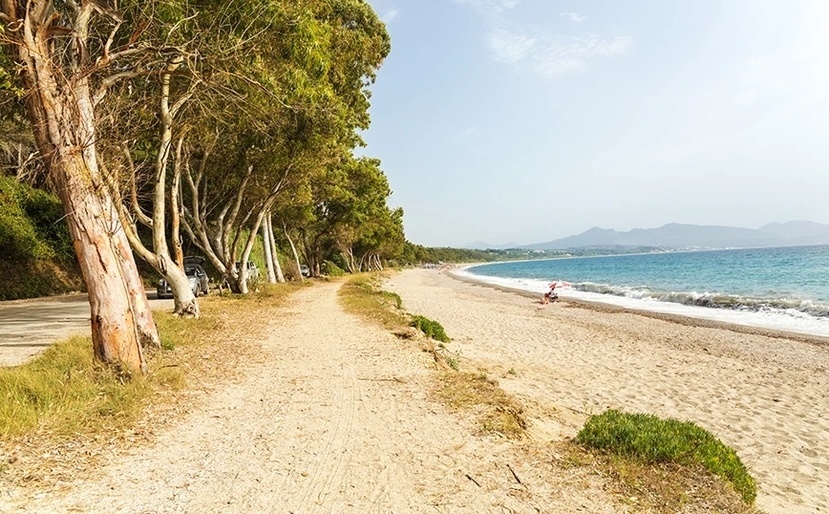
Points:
point(394, 297)
point(18, 237)
point(31, 223)
point(332, 269)
point(649, 439)
point(413, 254)
point(36, 256)
point(430, 328)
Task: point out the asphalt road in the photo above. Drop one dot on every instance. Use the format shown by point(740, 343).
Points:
point(27, 327)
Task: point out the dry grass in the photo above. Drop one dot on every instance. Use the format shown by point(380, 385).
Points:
point(67, 412)
point(496, 411)
point(361, 295)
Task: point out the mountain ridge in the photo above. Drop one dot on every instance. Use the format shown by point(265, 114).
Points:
point(689, 236)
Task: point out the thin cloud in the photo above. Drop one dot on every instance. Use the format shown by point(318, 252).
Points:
point(511, 48)
point(563, 54)
point(544, 52)
point(390, 15)
point(574, 16)
point(553, 55)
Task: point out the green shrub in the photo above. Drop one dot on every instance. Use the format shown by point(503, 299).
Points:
point(648, 439)
point(430, 328)
point(31, 223)
point(332, 269)
point(394, 297)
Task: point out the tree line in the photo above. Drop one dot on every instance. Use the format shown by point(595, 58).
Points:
point(214, 122)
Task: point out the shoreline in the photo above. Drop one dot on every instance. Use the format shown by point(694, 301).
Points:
point(679, 319)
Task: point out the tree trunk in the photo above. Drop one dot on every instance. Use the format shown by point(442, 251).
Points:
point(280, 277)
point(105, 261)
point(266, 242)
point(175, 209)
point(293, 249)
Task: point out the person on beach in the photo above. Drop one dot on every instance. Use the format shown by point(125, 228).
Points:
point(551, 295)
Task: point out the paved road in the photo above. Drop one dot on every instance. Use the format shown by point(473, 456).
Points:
point(27, 327)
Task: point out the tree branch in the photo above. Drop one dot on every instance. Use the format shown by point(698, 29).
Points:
point(136, 207)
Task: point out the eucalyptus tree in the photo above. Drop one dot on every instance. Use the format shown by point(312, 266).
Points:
point(347, 212)
point(67, 55)
point(306, 97)
point(141, 135)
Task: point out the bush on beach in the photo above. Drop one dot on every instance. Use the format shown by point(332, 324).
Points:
point(430, 328)
point(648, 439)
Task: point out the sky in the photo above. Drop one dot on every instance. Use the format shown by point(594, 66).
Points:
point(522, 121)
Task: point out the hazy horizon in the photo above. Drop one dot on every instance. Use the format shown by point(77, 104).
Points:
point(532, 120)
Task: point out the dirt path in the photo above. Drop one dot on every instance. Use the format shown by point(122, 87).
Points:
point(337, 418)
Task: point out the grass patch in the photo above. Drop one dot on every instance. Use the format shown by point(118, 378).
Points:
point(430, 328)
point(65, 391)
point(362, 296)
point(647, 439)
point(498, 412)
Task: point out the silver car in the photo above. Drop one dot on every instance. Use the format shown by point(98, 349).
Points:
point(199, 283)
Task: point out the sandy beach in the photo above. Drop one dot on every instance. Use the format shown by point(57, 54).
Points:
point(765, 394)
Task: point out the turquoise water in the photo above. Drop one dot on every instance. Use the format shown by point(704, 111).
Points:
point(784, 288)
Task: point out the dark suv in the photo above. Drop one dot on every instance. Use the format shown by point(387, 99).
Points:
point(196, 275)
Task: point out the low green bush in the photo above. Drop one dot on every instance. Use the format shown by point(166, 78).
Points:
point(333, 270)
point(648, 439)
point(430, 328)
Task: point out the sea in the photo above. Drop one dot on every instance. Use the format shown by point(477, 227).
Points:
point(775, 288)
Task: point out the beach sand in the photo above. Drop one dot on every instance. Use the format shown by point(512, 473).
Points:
point(765, 394)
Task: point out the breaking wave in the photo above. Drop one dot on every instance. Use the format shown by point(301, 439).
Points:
point(712, 300)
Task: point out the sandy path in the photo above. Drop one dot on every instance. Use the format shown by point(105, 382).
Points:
point(768, 398)
point(337, 418)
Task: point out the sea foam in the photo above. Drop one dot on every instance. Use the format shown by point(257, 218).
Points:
point(800, 316)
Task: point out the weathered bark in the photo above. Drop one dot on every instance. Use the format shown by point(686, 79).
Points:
point(184, 301)
point(171, 268)
point(175, 209)
point(105, 261)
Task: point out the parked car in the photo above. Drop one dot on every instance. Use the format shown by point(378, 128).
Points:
point(253, 270)
point(305, 270)
point(199, 283)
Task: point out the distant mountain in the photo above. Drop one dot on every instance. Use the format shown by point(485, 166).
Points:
point(679, 236)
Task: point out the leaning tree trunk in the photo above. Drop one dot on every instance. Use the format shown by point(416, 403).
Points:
point(266, 243)
point(105, 260)
point(293, 249)
point(280, 277)
point(61, 110)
